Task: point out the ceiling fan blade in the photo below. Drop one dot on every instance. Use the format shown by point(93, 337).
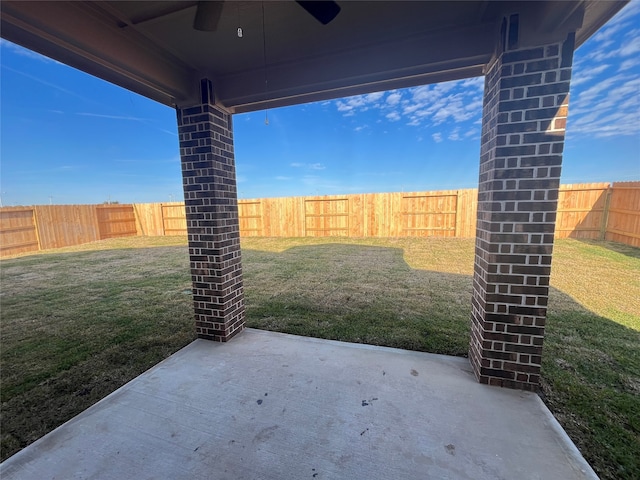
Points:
point(208, 15)
point(323, 11)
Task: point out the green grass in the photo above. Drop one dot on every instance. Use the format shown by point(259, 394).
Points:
point(78, 323)
point(357, 293)
point(76, 326)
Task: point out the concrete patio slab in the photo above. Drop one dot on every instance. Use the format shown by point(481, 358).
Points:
point(276, 406)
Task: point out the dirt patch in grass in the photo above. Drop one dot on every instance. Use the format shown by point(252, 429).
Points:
point(78, 324)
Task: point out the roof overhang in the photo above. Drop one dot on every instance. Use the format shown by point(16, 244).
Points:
point(152, 48)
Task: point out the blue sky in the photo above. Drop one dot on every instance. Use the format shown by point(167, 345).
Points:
point(67, 137)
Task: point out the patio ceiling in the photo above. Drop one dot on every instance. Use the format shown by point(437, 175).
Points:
point(152, 48)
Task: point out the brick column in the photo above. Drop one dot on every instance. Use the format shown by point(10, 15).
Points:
point(524, 117)
point(211, 203)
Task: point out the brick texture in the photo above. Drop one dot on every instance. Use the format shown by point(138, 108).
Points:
point(524, 118)
point(209, 180)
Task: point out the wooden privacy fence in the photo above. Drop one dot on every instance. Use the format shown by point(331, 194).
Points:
point(594, 211)
point(41, 227)
point(447, 213)
point(623, 214)
point(585, 211)
point(160, 219)
point(600, 211)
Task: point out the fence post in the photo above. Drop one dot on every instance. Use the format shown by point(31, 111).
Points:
point(348, 216)
point(35, 226)
point(164, 233)
point(457, 217)
point(605, 213)
point(139, 227)
point(99, 222)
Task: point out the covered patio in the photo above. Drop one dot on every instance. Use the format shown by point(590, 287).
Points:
point(276, 406)
point(210, 60)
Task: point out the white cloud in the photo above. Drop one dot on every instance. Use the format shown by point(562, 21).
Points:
point(308, 166)
point(374, 97)
point(112, 117)
point(456, 101)
point(586, 75)
point(628, 44)
point(604, 92)
point(48, 84)
point(394, 98)
point(629, 64)
point(610, 108)
point(359, 102)
point(475, 82)
point(590, 94)
point(448, 102)
point(605, 89)
point(633, 46)
point(605, 34)
point(623, 16)
point(282, 178)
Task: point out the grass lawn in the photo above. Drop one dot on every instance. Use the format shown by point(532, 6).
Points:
point(80, 322)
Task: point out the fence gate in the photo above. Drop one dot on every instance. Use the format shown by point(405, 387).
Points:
point(174, 220)
point(116, 221)
point(624, 214)
point(582, 211)
point(327, 217)
point(429, 215)
point(250, 217)
point(18, 232)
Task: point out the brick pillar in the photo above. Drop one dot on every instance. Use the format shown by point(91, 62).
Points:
point(211, 204)
point(523, 123)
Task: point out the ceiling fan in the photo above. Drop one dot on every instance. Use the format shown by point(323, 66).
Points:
point(208, 13)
